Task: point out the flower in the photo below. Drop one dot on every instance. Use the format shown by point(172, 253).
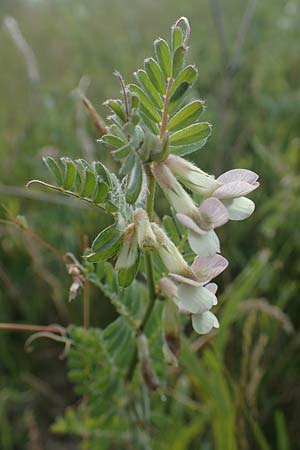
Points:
point(237, 183)
point(204, 269)
point(191, 176)
point(224, 199)
point(201, 235)
point(196, 300)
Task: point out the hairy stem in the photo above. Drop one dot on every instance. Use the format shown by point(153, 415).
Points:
point(63, 191)
point(149, 273)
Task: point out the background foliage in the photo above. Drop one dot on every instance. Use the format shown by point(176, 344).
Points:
point(239, 389)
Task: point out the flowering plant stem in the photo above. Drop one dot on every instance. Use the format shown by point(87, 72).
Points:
point(148, 269)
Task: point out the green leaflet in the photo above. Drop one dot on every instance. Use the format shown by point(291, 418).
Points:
point(123, 152)
point(126, 276)
point(117, 107)
point(191, 135)
point(107, 243)
point(70, 173)
point(89, 184)
point(113, 232)
point(102, 171)
point(134, 182)
point(178, 60)
point(112, 140)
point(186, 116)
point(128, 164)
point(135, 101)
point(163, 56)
point(54, 169)
point(187, 76)
point(176, 37)
point(145, 82)
point(183, 82)
point(182, 150)
point(155, 74)
point(101, 192)
point(149, 123)
point(146, 103)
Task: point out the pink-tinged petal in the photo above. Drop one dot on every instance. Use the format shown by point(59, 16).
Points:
point(195, 300)
point(189, 223)
point(235, 189)
point(238, 175)
point(204, 245)
point(213, 287)
point(208, 267)
point(205, 322)
point(239, 208)
point(185, 280)
point(212, 214)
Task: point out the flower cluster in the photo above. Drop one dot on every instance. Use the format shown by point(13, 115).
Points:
point(223, 199)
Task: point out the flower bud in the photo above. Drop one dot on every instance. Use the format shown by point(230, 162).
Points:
point(191, 176)
point(169, 253)
point(128, 260)
point(176, 195)
point(145, 235)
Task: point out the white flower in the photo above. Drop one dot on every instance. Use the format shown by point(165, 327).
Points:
point(201, 235)
point(196, 300)
point(236, 184)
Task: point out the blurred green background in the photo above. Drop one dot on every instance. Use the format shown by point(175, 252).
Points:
point(247, 53)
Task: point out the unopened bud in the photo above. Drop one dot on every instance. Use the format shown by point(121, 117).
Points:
point(169, 253)
point(151, 146)
point(164, 152)
point(145, 235)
